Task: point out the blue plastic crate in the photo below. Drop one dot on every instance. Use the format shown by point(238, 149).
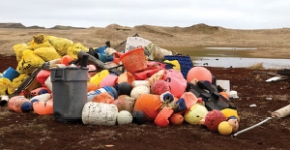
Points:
point(184, 61)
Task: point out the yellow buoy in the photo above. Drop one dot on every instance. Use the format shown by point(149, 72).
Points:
point(225, 128)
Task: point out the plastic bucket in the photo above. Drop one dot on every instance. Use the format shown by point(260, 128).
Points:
point(10, 73)
point(69, 91)
point(134, 60)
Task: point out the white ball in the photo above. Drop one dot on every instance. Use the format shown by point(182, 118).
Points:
point(138, 90)
point(124, 117)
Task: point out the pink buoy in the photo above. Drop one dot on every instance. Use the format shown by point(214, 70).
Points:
point(92, 70)
point(109, 80)
point(199, 73)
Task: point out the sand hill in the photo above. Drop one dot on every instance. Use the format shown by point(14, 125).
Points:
point(269, 41)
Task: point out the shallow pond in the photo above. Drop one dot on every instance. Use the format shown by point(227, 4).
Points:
point(236, 62)
point(230, 48)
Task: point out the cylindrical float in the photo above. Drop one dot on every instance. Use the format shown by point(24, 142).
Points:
point(95, 113)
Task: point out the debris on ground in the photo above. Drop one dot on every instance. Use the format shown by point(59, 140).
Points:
point(103, 86)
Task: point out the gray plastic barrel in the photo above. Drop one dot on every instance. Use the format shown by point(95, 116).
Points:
point(69, 92)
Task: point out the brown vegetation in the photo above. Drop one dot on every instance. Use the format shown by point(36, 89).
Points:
point(272, 43)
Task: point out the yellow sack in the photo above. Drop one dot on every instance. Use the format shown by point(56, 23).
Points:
point(19, 48)
point(16, 83)
point(47, 53)
point(29, 62)
point(75, 49)
point(175, 63)
point(38, 41)
point(61, 45)
point(4, 83)
point(97, 78)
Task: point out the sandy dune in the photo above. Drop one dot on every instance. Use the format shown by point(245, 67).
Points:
point(272, 43)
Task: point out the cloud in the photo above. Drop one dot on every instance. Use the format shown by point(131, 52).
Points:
point(246, 14)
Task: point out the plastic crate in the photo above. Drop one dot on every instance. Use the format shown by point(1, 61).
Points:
point(184, 61)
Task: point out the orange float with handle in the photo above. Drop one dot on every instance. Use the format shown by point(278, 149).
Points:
point(162, 119)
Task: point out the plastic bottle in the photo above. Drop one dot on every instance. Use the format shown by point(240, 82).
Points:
point(19, 104)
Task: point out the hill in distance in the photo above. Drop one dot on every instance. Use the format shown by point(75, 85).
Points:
point(268, 41)
point(21, 26)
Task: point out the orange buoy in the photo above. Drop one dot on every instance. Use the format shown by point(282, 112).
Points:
point(43, 108)
point(199, 73)
point(225, 94)
point(176, 119)
point(66, 60)
point(126, 77)
point(104, 97)
point(92, 87)
point(149, 104)
point(19, 104)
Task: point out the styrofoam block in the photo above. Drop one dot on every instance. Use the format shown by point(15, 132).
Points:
point(133, 42)
point(225, 84)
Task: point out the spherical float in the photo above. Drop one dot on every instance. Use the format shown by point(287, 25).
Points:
point(159, 87)
point(224, 128)
point(139, 90)
point(139, 117)
point(124, 88)
point(199, 73)
point(213, 119)
point(124, 117)
point(195, 114)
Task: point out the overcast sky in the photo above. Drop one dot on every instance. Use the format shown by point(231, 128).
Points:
point(238, 14)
